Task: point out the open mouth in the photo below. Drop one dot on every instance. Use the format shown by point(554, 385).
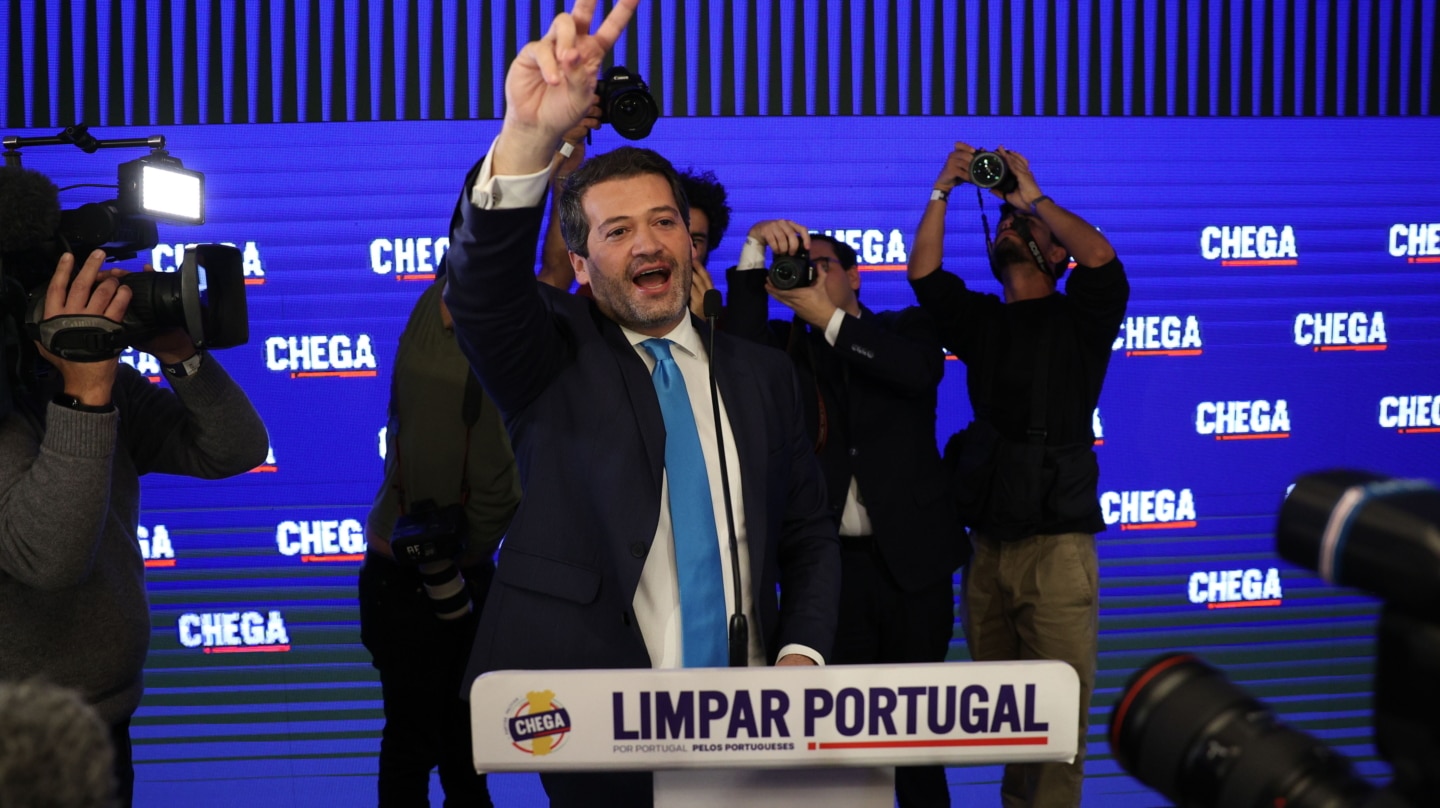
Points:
point(652, 279)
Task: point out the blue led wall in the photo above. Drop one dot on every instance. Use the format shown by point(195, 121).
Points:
point(1284, 319)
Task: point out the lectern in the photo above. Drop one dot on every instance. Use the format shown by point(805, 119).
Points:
point(824, 736)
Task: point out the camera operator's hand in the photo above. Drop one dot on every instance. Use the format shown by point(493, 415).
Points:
point(782, 236)
point(957, 167)
point(94, 293)
point(812, 303)
point(551, 84)
point(171, 346)
point(1026, 190)
point(700, 283)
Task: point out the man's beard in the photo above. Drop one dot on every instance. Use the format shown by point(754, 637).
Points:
point(1009, 252)
point(619, 297)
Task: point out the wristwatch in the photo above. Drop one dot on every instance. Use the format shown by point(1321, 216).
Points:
point(70, 402)
point(937, 195)
point(186, 368)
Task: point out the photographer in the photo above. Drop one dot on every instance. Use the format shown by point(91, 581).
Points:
point(78, 438)
point(446, 444)
point(868, 385)
point(1035, 361)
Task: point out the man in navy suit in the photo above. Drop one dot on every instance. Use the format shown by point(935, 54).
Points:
point(591, 574)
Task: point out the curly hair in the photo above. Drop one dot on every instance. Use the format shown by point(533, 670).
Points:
point(707, 195)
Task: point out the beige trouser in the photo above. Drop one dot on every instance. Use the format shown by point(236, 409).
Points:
point(1036, 598)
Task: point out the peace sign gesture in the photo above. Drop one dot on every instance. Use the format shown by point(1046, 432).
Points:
point(551, 84)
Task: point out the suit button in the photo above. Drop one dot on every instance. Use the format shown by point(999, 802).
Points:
point(638, 549)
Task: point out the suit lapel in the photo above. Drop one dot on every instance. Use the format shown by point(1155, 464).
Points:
point(644, 403)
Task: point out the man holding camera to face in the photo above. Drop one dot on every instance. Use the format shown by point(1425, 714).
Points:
point(78, 435)
point(868, 385)
point(1026, 472)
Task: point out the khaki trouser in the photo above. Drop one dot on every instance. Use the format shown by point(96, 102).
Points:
point(1036, 598)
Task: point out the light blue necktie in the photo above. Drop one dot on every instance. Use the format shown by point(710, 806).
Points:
point(692, 517)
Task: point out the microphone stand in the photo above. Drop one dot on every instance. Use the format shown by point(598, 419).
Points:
point(739, 626)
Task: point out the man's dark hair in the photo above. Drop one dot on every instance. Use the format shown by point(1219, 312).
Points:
point(622, 163)
point(843, 251)
point(705, 192)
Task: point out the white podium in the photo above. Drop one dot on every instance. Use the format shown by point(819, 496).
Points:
point(826, 736)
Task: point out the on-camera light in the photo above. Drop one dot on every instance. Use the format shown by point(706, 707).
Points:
point(161, 187)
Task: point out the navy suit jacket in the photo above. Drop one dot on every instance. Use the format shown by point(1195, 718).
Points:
point(879, 384)
point(589, 440)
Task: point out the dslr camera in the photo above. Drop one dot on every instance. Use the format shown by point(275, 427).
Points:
point(206, 298)
point(1182, 728)
point(430, 538)
point(626, 103)
point(792, 271)
point(989, 170)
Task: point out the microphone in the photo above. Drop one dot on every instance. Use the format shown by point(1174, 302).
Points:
point(739, 627)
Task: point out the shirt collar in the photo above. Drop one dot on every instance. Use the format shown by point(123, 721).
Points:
point(684, 336)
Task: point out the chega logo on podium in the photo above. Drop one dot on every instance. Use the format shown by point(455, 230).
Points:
point(1416, 243)
point(1250, 245)
point(234, 632)
point(408, 259)
point(1236, 589)
point(537, 724)
point(1243, 420)
point(323, 355)
point(1160, 335)
point(1341, 331)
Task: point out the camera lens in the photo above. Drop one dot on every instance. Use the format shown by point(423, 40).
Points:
point(987, 169)
point(1185, 730)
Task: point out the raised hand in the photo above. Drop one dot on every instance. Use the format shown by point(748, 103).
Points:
point(1026, 190)
point(551, 85)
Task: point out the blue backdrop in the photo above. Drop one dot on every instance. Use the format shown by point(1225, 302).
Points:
point(1285, 318)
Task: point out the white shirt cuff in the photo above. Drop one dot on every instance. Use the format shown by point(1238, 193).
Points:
point(752, 255)
point(802, 650)
point(503, 193)
point(832, 328)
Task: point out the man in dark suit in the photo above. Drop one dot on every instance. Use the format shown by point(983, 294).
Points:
point(603, 550)
point(868, 381)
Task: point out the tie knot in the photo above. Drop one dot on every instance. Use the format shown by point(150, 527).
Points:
point(657, 348)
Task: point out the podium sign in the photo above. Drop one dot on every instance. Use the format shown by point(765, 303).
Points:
point(800, 717)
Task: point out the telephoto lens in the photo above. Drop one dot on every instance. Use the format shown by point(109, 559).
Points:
point(1186, 731)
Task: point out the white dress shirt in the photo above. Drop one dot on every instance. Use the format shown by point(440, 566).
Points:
point(657, 598)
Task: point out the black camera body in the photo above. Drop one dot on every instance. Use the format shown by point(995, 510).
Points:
point(626, 103)
point(988, 169)
point(792, 271)
point(428, 533)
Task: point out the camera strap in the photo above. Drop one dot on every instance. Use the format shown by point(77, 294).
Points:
point(80, 337)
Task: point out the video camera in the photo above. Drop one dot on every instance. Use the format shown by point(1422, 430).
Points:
point(206, 297)
point(1180, 727)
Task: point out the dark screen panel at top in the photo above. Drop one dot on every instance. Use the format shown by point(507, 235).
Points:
point(1276, 267)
